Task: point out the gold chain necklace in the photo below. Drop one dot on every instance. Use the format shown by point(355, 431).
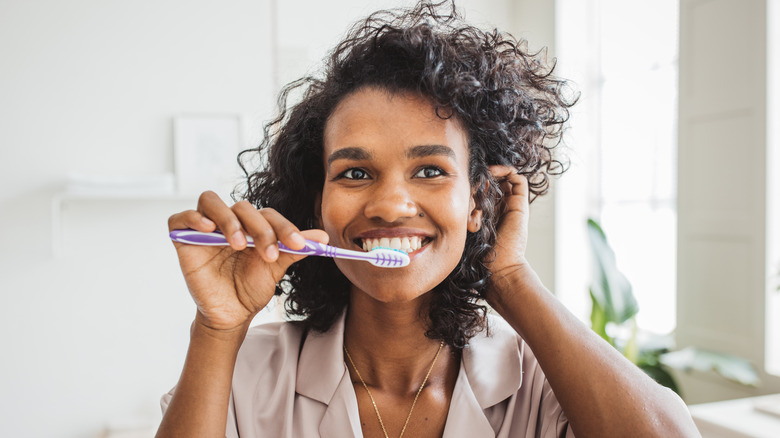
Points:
point(381, 423)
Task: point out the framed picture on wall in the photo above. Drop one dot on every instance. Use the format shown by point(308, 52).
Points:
point(205, 150)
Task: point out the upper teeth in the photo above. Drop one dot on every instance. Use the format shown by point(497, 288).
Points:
point(407, 244)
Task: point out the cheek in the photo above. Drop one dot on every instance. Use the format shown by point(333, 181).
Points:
point(335, 210)
point(458, 205)
point(451, 212)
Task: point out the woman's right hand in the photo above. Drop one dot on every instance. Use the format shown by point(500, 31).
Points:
point(230, 284)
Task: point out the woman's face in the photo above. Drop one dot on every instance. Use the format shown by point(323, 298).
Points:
point(396, 175)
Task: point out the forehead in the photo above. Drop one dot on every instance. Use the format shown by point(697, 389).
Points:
point(375, 118)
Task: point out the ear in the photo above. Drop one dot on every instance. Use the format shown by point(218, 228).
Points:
point(318, 210)
point(475, 215)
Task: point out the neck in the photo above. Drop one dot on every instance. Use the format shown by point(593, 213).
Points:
point(388, 344)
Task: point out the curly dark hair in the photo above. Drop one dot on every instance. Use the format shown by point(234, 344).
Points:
point(506, 98)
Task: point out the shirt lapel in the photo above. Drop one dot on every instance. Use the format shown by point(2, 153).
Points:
point(490, 372)
point(323, 376)
point(493, 363)
point(342, 405)
point(466, 417)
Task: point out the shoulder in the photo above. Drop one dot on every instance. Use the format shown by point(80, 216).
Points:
point(500, 365)
point(271, 339)
point(499, 338)
point(269, 350)
point(493, 362)
point(511, 385)
point(273, 333)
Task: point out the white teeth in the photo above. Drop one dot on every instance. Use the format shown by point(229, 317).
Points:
point(407, 244)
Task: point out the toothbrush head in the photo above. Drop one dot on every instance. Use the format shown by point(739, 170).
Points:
point(388, 257)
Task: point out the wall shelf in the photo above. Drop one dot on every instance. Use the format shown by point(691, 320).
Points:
point(61, 200)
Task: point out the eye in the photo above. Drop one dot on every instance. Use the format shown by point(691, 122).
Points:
point(354, 173)
point(429, 172)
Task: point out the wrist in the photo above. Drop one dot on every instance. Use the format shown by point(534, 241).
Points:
point(230, 334)
point(510, 284)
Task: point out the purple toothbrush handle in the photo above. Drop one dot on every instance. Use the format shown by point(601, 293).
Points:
point(381, 257)
point(311, 248)
point(216, 238)
point(193, 237)
point(385, 258)
point(321, 249)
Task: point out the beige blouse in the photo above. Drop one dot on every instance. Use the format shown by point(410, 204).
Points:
point(284, 390)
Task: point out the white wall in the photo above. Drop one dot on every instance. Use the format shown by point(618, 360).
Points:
point(773, 188)
point(92, 337)
point(722, 184)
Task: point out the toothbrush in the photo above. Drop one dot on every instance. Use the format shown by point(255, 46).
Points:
point(383, 257)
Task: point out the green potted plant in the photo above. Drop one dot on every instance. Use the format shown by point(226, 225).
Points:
point(615, 306)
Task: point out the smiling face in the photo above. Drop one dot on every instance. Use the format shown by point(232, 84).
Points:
point(396, 174)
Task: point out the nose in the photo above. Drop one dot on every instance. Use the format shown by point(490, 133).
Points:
point(390, 201)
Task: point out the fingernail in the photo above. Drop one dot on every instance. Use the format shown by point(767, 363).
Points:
point(271, 252)
point(206, 221)
point(238, 238)
point(298, 239)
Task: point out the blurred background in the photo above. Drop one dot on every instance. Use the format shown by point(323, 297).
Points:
point(114, 115)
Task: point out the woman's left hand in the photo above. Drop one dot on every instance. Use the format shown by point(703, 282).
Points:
point(513, 214)
point(593, 382)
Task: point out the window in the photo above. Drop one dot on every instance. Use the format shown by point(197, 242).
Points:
point(623, 57)
point(773, 191)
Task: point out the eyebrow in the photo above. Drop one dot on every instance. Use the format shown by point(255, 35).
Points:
point(430, 150)
point(351, 153)
point(422, 151)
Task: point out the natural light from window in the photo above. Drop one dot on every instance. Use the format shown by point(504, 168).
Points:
point(773, 191)
point(624, 58)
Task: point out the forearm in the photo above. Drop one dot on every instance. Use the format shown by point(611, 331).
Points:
point(199, 405)
point(602, 393)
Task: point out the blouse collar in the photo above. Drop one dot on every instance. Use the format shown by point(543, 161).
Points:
point(491, 361)
point(490, 372)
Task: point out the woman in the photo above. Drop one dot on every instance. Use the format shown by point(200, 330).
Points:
point(429, 135)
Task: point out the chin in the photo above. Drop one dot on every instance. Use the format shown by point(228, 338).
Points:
point(397, 292)
point(389, 285)
point(393, 297)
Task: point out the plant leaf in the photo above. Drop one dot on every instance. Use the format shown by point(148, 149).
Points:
point(610, 288)
point(631, 350)
point(598, 320)
point(730, 367)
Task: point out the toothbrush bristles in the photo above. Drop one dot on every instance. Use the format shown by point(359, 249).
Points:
point(391, 249)
point(387, 259)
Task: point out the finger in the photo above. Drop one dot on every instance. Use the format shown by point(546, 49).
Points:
point(212, 206)
point(519, 184)
point(510, 181)
point(288, 259)
point(500, 171)
point(316, 235)
point(259, 228)
point(286, 231)
point(191, 219)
